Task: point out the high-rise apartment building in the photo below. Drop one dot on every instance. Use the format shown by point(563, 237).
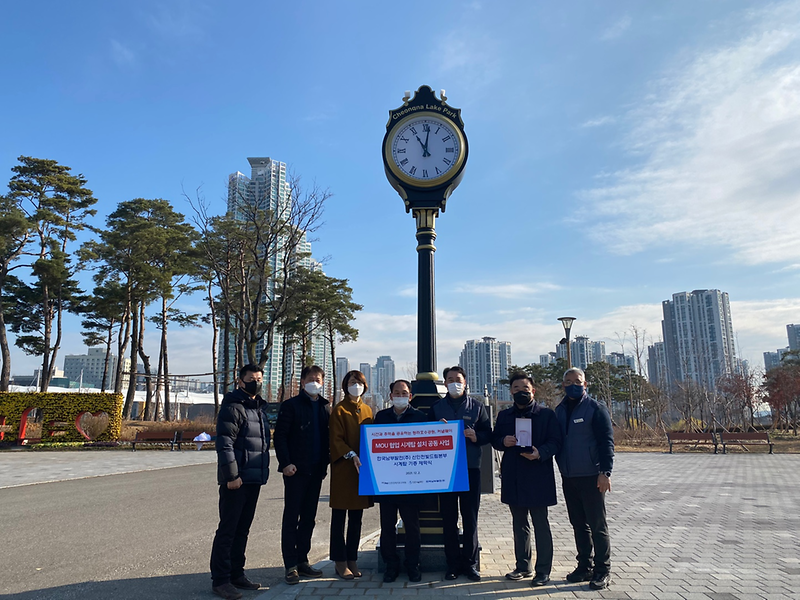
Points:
point(657, 365)
point(486, 362)
point(342, 368)
point(698, 337)
point(385, 375)
point(547, 359)
point(268, 190)
point(773, 359)
point(793, 332)
point(598, 351)
point(88, 368)
point(618, 359)
point(581, 351)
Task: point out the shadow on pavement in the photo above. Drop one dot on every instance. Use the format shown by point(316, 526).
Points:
point(189, 586)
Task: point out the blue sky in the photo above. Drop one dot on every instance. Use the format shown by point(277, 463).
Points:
point(619, 152)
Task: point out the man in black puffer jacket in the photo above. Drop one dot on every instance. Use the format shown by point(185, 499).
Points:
point(242, 468)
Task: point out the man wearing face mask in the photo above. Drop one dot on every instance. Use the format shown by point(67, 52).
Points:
point(585, 461)
point(302, 448)
point(457, 405)
point(242, 445)
point(527, 476)
point(407, 504)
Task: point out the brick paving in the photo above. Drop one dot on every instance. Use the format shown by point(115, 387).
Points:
point(683, 527)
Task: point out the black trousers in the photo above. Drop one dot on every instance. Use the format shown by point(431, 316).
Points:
point(522, 538)
point(236, 511)
point(586, 507)
point(345, 549)
point(300, 500)
point(469, 501)
point(410, 515)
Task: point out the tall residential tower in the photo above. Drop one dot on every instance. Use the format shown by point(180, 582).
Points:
point(698, 338)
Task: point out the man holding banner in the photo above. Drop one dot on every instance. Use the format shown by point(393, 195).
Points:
point(458, 406)
point(407, 504)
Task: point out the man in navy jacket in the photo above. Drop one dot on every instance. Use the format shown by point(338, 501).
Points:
point(408, 505)
point(478, 432)
point(585, 461)
point(527, 476)
point(242, 445)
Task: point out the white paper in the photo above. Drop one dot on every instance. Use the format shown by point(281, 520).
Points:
point(524, 433)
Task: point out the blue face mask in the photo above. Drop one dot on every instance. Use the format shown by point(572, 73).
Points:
point(574, 391)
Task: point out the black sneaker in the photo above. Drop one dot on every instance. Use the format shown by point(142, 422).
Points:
point(390, 574)
point(580, 574)
point(292, 577)
point(600, 581)
point(540, 579)
point(306, 570)
point(472, 574)
point(414, 574)
point(517, 575)
point(226, 591)
point(243, 583)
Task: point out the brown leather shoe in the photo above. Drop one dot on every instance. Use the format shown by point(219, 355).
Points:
point(243, 583)
point(342, 570)
point(227, 591)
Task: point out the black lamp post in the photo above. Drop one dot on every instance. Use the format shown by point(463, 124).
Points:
point(424, 154)
point(567, 323)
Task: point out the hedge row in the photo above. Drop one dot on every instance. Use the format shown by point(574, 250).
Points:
point(60, 412)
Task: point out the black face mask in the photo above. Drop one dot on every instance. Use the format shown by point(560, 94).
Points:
point(252, 387)
point(522, 398)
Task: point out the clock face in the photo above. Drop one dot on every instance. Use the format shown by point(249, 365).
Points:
point(425, 150)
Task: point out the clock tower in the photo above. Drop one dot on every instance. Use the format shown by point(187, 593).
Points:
point(424, 154)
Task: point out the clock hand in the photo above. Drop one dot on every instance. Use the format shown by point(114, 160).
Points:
point(427, 137)
point(424, 147)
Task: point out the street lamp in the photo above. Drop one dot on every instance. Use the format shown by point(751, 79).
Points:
point(567, 323)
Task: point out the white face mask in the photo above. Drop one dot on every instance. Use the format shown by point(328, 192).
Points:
point(456, 389)
point(313, 388)
point(355, 390)
point(400, 401)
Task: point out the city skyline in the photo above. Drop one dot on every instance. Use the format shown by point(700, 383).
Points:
point(617, 153)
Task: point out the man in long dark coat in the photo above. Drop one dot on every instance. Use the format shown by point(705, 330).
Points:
point(527, 476)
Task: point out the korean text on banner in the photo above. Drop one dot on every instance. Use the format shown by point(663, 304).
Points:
point(414, 458)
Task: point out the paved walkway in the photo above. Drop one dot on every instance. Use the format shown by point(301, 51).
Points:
point(26, 467)
point(683, 527)
point(691, 526)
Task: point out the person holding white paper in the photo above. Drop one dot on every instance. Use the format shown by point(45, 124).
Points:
point(408, 505)
point(527, 477)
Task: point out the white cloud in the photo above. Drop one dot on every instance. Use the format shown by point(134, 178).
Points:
point(599, 121)
point(469, 56)
point(720, 144)
point(408, 291)
point(616, 29)
point(178, 21)
point(759, 326)
point(512, 290)
point(122, 55)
